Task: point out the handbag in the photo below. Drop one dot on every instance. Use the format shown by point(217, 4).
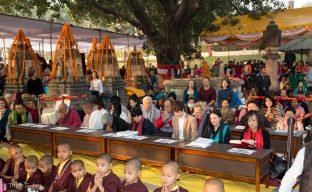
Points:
point(278, 167)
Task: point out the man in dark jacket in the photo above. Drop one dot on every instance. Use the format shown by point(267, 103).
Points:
point(263, 82)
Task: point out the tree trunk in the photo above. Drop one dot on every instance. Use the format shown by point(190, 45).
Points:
point(168, 49)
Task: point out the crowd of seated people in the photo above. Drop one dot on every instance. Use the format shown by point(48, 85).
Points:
point(196, 114)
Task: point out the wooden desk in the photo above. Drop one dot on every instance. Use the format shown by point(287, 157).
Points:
point(217, 162)
point(278, 140)
point(81, 143)
point(146, 150)
point(33, 136)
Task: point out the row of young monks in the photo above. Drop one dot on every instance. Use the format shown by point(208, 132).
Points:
point(29, 174)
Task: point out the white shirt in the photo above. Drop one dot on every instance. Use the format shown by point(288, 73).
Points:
point(181, 126)
point(95, 120)
point(290, 178)
point(124, 116)
point(96, 85)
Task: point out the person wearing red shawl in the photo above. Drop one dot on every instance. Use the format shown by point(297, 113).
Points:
point(140, 124)
point(68, 117)
point(255, 131)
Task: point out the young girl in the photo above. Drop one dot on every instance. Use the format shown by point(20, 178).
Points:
point(216, 129)
point(254, 130)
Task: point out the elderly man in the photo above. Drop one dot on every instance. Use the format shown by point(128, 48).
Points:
point(149, 111)
point(164, 121)
point(17, 116)
point(68, 117)
point(200, 114)
point(9, 99)
point(165, 93)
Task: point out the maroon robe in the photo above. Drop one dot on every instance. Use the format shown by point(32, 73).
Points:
point(134, 187)
point(36, 178)
point(84, 185)
point(48, 179)
point(11, 164)
point(61, 182)
point(111, 183)
point(71, 118)
point(180, 189)
point(2, 163)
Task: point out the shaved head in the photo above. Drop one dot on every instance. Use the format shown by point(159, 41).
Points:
point(214, 184)
point(46, 159)
point(135, 162)
point(106, 157)
point(174, 165)
point(77, 162)
point(32, 159)
point(65, 145)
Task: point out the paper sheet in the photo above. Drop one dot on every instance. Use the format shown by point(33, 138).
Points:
point(39, 126)
point(27, 124)
point(127, 133)
point(167, 141)
point(136, 137)
point(59, 128)
point(242, 151)
point(280, 131)
point(85, 130)
point(201, 142)
point(240, 127)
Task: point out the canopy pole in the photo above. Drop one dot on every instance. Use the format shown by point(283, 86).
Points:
point(4, 59)
point(51, 38)
point(42, 47)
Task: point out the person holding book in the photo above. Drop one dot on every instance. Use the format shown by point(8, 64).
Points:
point(255, 133)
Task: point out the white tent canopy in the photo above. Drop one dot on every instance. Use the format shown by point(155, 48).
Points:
point(38, 31)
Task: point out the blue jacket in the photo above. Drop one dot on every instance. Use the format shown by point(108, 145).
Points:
point(226, 94)
point(185, 96)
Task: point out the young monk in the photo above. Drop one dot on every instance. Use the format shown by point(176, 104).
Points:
point(169, 176)
point(49, 172)
point(214, 185)
point(14, 164)
point(63, 172)
point(105, 179)
point(132, 182)
point(81, 179)
point(31, 178)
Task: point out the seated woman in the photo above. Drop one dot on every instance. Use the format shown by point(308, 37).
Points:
point(4, 114)
point(134, 101)
point(191, 91)
point(140, 124)
point(272, 111)
point(282, 122)
point(226, 93)
point(215, 129)
point(114, 123)
point(255, 131)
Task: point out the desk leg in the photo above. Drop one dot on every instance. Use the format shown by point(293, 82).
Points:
point(258, 176)
point(54, 152)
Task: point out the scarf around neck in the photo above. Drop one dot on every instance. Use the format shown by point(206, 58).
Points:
point(138, 126)
point(258, 138)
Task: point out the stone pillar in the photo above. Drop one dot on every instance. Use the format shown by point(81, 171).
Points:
point(271, 62)
point(271, 41)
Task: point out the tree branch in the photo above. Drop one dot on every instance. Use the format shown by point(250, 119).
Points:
point(147, 25)
point(110, 11)
point(169, 6)
point(186, 12)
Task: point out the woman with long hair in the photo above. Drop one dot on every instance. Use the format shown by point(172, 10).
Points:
point(226, 93)
point(255, 132)
point(215, 128)
point(191, 91)
point(96, 86)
